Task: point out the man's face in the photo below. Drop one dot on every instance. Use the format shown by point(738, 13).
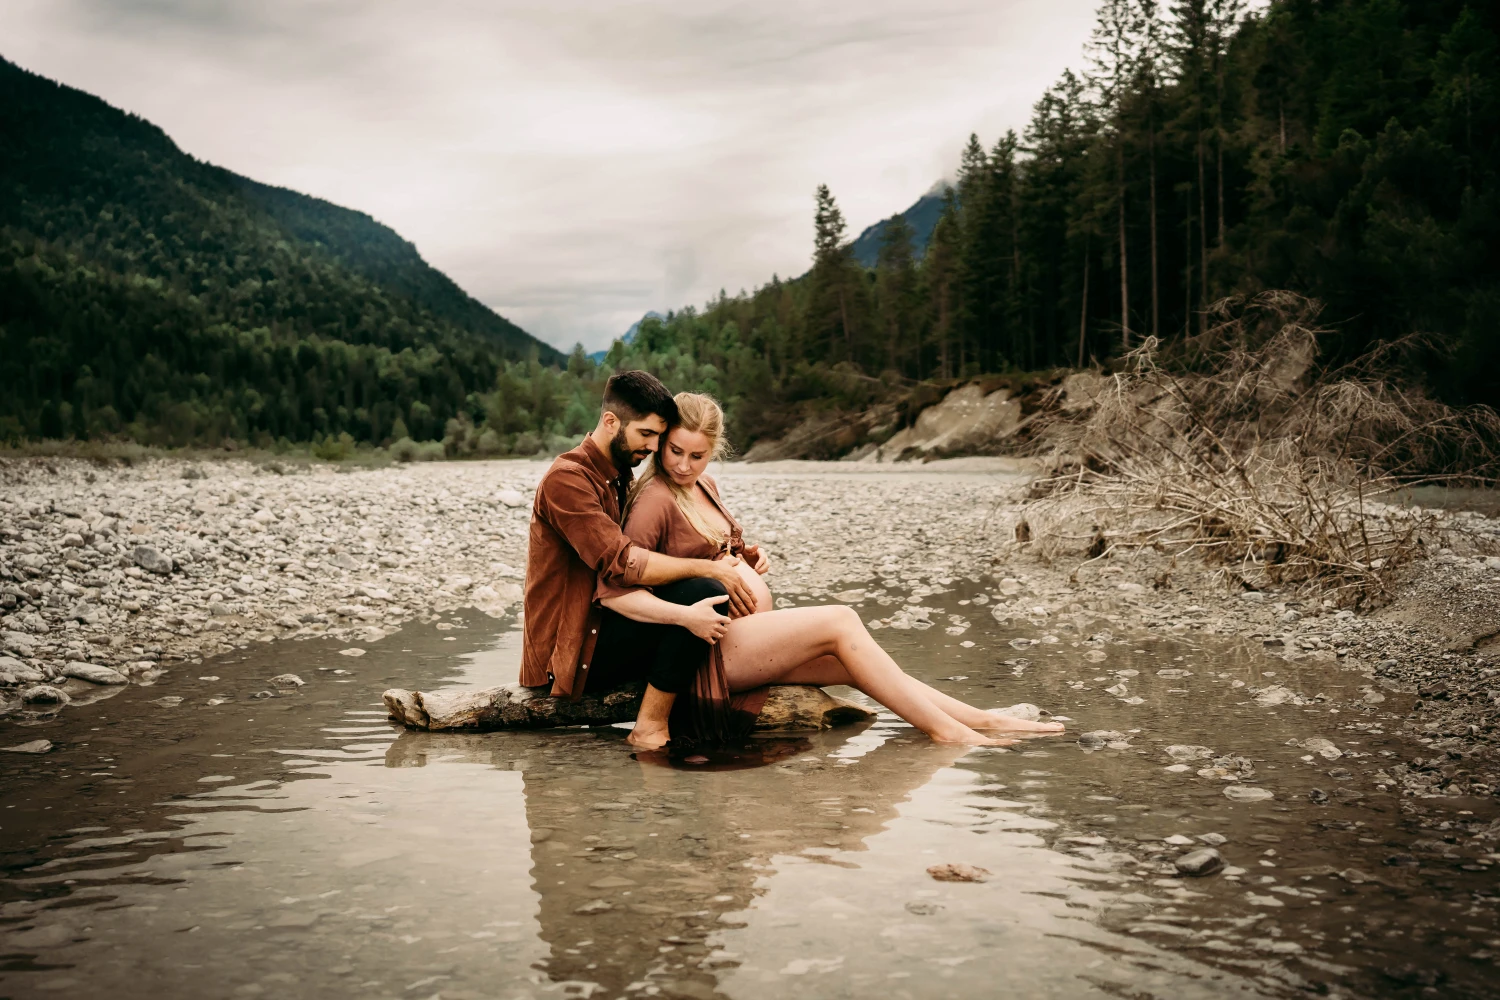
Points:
point(634, 442)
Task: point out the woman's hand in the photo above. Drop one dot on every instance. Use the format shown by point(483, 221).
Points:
point(704, 621)
point(756, 559)
point(741, 597)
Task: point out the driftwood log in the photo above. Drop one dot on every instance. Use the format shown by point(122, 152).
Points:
point(788, 708)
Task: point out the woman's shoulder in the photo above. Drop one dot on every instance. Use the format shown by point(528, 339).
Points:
point(653, 500)
point(654, 490)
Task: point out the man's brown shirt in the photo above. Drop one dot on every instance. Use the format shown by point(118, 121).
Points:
point(575, 542)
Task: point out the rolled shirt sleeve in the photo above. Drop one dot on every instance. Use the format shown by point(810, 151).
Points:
point(644, 529)
point(571, 505)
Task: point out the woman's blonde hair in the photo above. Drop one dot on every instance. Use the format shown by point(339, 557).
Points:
point(701, 414)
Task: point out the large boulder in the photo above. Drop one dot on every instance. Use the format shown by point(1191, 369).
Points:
point(967, 419)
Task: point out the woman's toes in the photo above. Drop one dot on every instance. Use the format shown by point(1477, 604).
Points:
point(1015, 725)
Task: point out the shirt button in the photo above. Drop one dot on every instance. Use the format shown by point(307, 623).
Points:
point(593, 631)
point(585, 666)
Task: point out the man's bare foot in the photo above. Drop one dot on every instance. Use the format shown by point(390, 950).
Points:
point(1009, 723)
point(648, 737)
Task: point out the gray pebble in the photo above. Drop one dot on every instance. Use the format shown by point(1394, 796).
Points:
point(1203, 861)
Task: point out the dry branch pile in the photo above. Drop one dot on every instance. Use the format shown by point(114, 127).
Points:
point(1238, 445)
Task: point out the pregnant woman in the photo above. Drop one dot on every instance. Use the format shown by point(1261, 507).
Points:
point(675, 509)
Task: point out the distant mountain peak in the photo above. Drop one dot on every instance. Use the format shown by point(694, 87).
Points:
point(629, 337)
point(922, 216)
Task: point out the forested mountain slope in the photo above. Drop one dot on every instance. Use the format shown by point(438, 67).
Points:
point(145, 292)
point(922, 217)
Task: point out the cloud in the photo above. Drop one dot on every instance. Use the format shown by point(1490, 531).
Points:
point(573, 163)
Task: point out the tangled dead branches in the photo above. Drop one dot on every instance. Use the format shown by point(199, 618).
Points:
point(1239, 446)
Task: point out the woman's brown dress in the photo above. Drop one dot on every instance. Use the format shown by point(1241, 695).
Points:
point(708, 710)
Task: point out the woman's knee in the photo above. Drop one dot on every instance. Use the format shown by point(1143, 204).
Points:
point(844, 626)
point(846, 619)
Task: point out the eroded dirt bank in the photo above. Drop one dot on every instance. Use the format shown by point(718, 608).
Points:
point(115, 574)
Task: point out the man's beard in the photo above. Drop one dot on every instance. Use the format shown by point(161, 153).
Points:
point(619, 451)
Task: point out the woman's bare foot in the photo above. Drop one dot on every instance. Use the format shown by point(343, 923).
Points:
point(965, 736)
point(1009, 723)
point(648, 737)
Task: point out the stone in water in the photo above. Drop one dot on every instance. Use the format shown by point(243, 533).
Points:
point(1204, 861)
point(287, 681)
point(1182, 752)
point(959, 873)
point(45, 694)
point(1323, 748)
point(94, 673)
point(35, 746)
point(352, 651)
point(1276, 695)
point(591, 908)
point(1248, 793)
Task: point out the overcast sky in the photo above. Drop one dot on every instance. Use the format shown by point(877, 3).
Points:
point(573, 163)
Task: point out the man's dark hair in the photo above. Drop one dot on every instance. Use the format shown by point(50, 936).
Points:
point(632, 395)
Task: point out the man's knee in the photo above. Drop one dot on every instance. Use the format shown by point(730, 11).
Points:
point(691, 591)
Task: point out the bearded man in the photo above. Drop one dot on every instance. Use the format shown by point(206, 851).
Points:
point(576, 541)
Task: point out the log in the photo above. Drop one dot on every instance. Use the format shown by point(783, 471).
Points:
point(788, 708)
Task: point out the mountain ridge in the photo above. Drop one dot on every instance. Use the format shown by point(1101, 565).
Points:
point(136, 279)
point(922, 216)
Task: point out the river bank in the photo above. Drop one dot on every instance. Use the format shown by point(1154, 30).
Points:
point(117, 574)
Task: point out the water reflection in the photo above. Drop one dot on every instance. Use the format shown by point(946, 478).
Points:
point(301, 846)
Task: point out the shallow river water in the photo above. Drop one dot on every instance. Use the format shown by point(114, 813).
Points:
point(298, 845)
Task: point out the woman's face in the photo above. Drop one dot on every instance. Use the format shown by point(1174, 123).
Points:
point(685, 455)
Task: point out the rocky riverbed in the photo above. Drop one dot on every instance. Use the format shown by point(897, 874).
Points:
point(113, 575)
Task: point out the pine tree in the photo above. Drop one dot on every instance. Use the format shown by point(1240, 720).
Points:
point(896, 289)
point(1190, 50)
point(835, 284)
point(1112, 55)
point(940, 277)
point(1148, 85)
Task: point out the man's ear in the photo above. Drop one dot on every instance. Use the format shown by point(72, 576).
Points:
point(610, 421)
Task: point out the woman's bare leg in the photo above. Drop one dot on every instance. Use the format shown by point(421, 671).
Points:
point(829, 670)
point(772, 648)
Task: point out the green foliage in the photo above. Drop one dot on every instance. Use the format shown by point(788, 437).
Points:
point(1348, 150)
point(144, 293)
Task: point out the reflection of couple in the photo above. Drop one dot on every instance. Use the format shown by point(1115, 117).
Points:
point(608, 605)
